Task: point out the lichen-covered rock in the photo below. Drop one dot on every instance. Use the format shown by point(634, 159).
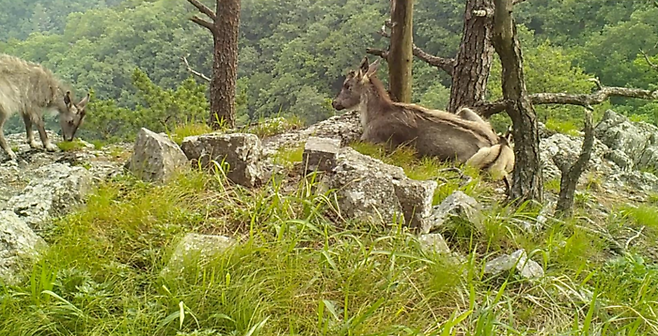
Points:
point(638, 141)
point(19, 246)
point(372, 190)
point(155, 158)
point(54, 190)
point(242, 152)
point(320, 154)
point(459, 205)
point(528, 268)
point(195, 249)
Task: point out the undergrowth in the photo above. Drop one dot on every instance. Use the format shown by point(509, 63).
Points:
point(299, 268)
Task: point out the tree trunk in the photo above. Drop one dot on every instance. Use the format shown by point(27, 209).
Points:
point(571, 174)
point(225, 64)
point(401, 53)
point(527, 181)
point(473, 63)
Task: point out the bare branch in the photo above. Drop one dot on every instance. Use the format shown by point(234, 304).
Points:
point(585, 100)
point(598, 97)
point(570, 175)
point(646, 58)
point(194, 72)
point(487, 109)
point(517, 2)
point(445, 64)
point(204, 9)
point(378, 52)
point(203, 23)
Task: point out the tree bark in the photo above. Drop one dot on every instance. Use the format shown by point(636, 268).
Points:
point(224, 26)
point(527, 181)
point(473, 62)
point(400, 55)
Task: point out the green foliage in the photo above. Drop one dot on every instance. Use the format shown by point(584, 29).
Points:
point(158, 109)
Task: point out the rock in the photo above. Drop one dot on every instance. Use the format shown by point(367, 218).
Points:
point(195, 249)
point(320, 154)
point(566, 149)
point(632, 142)
point(372, 190)
point(19, 247)
point(155, 158)
point(55, 190)
point(636, 180)
point(345, 127)
point(528, 268)
point(241, 151)
point(433, 243)
point(459, 205)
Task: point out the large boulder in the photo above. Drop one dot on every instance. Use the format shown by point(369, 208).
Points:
point(19, 247)
point(155, 158)
point(372, 190)
point(633, 143)
point(242, 152)
point(54, 190)
point(195, 250)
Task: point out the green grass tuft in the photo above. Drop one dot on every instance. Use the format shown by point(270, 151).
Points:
point(190, 129)
point(68, 146)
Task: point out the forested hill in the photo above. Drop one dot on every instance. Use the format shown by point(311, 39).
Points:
point(293, 53)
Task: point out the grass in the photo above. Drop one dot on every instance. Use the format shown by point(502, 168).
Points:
point(189, 129)
point(301, 269)
point(561, 126)
point(68, 146)
point(288, 156)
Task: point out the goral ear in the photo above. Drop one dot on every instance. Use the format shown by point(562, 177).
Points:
point(67, 98)
point(372, 69)
point(84, 101)
point(364, 65)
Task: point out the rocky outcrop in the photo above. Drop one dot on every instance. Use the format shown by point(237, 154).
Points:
point(345, 128)
point(19, 246)
point(621, 149)
point(54, 190)
point(240, 152)
point(632, 145)
point(195, 249)
point(155, 157)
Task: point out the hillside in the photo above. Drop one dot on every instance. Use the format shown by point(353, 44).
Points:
point(296, 254)
point(158, 220)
